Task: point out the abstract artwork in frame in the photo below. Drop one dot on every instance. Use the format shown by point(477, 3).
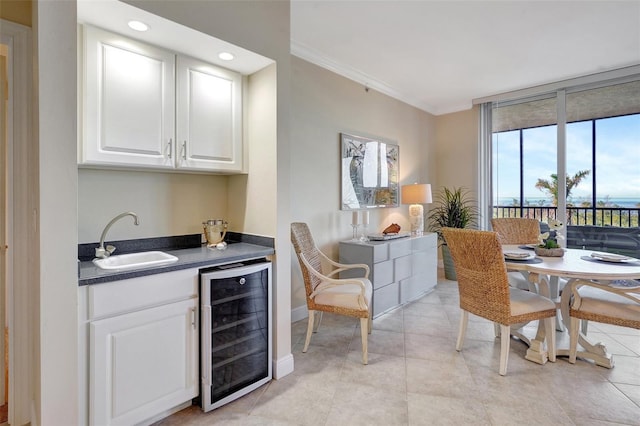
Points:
point(370, 171)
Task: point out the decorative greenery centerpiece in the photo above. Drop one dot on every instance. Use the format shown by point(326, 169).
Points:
point(453, 209)
point(548, 244)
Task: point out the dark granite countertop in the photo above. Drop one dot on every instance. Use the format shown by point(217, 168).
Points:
point(196, 257)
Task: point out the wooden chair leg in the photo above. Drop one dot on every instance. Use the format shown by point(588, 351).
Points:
point(364, 333)
point(505, 341)
point(574, 330)
point(550, 331)
point(370, 323)
point(462, 330)
point(309, 330)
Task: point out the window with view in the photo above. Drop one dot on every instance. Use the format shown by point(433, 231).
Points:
point(599, 146)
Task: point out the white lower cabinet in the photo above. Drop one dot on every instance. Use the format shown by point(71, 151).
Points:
point(143, 363)
point(142, 345)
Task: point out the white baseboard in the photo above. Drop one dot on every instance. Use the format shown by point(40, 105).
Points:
point(299, 313)
point(283, 366)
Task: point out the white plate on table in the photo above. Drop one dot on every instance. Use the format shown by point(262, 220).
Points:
point(518, 255)
point(612, 257)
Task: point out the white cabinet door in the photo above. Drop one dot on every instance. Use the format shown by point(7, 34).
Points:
point(143, 363)
point(128, 104)
point(209, 117)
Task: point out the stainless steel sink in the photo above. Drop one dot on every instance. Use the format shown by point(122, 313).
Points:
point(135, 260)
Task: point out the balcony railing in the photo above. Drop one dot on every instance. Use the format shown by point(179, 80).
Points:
point(624, 217)
point(610, 229)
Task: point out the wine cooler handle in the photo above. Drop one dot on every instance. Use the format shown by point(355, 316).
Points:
point(206, 346)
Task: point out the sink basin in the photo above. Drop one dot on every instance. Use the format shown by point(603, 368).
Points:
point(135, 260)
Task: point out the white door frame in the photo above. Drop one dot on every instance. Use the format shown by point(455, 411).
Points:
point(5, 202)
point(19, 145)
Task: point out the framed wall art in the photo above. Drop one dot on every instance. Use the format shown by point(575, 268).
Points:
point(370, 171)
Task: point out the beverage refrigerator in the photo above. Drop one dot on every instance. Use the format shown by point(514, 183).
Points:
point(235, 332)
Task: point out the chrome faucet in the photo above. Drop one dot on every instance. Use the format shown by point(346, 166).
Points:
point(103, 252)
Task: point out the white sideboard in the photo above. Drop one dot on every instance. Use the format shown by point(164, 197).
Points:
point(402, 270)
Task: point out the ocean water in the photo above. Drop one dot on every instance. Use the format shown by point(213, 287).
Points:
point(545, 202)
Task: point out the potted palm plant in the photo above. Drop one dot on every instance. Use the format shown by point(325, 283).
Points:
point(453, 209)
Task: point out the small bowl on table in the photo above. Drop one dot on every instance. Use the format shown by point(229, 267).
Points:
point(549, 252)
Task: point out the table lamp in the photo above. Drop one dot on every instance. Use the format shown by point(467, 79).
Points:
point(416, 195)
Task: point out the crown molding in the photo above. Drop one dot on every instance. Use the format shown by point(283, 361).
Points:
point(310, 55)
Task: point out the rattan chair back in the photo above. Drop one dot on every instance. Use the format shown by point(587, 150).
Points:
point(516, 230)
point(304, 245)
point(482, 275)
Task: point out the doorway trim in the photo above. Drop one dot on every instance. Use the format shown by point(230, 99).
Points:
point(20, 308)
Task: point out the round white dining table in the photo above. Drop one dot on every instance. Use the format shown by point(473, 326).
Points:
point(575, 265)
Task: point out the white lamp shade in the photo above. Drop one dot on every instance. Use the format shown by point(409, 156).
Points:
point(418, 193)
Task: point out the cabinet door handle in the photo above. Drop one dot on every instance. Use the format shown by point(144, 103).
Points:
point(170, 144)
point(193, 318)
point(184, 150)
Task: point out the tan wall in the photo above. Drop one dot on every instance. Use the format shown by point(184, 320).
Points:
point(18, 11)
point(167, 203)
point(325, 104)
point(457, 149)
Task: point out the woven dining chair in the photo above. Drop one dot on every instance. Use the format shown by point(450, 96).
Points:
point(327, 293)
point(517, 230)
point(601, 303)
point(484, 290)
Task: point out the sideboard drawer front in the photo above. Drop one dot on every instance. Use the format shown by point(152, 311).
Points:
point(422, 263)
point(402, 267)
point(382, 273)
point(385, 298)
point(412, 288)
point(427, 242)
point(399, 248)
point(380, 252)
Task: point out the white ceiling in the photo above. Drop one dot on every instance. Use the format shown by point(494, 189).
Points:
point(440, 55)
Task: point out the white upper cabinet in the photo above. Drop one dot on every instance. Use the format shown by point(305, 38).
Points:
point(209, 111)
point(139, 112)
point(129, 102)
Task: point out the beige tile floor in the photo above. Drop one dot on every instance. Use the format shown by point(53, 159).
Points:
point(416, 377)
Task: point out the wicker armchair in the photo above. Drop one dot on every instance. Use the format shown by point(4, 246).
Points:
point(600, 303)
point(326, 293)
point(484, 290)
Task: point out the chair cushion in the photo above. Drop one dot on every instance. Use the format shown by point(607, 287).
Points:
point(526, 302)
point(602, 302)
point(346, 295)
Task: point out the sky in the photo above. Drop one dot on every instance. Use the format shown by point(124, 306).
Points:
point(617, 159)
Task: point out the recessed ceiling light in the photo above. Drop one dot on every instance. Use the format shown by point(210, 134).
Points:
point(138, 26)
point(226, 56)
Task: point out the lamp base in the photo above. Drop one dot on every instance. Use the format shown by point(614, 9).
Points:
point(416, 218)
